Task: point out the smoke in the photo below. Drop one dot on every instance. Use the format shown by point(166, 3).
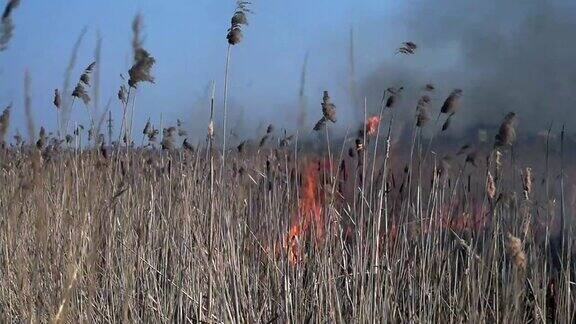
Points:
point(506, 56)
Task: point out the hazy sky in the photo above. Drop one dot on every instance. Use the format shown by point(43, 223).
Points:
point(505, 55)
point(187, 38)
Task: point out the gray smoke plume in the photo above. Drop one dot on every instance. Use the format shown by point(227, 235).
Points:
point(506, 56)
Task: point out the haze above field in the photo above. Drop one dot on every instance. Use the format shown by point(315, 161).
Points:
point(505, 56)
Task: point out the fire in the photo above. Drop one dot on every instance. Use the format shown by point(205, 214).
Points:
point(475, 219)
point(309, 214)
point(372, 125)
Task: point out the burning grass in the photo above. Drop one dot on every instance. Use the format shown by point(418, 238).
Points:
point(122, 235)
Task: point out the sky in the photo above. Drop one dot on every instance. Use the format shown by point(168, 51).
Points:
point(505, 55)
point(187, 38)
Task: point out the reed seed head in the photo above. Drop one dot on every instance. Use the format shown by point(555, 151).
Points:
point(80, 92)
point(136, 34)
point(394, 96)
point(407, 48)
point(85, 77)
point(167, 143)
point(241, 146)
point(328, 108)
point(446, 124)
point(4, 123)
point(507, 132)
point(263, 140)
point(140, 71)
point(57, 100)
point(10, 6)
point(451, 104)
point(516, 251)
point(7, 26)
point(320, 124)
point(122, 94)
point(422, 115)
point(147, 128)
point(286, 141)
point(445, 165)
point(234, 36)
point(187, 146)
point(239, 19)
point(359, 145)
point(472, 158)
point(41, 142)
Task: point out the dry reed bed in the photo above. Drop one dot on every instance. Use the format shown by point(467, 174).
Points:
point(126, 238)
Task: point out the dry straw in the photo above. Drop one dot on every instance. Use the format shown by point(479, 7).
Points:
point(490, 186)
point(527, 182)
point(498, 160)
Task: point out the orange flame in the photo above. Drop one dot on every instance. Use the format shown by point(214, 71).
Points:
point(372, 125)
point(309, 213)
